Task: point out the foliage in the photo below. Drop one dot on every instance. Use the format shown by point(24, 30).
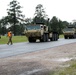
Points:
point(28, 21)
point(40, 11)
point(3, 23)
point(61, 36)
point(17, 21)
point(19, 29)
point(54, 24)
point(65, 24)
point(61, 27)
point(38, 20)
point(39, 14)
point(15, 16)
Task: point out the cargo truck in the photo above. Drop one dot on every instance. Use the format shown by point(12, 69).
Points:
point(69, 32)
point(41, 32)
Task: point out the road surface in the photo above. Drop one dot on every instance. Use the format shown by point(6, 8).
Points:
point(19, 48)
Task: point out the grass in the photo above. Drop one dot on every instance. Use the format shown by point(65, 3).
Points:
point(15, 39)
point(61, 36)
point(71, 70)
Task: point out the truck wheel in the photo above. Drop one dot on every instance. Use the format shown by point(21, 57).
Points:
point(41, 40)
point(34, 40)
point(65, 37)
point(30, 39)
point(70, 37)
point(44, 38)
point(46, 35)
point(56, 37)
point(74, 35)
point(52, 39)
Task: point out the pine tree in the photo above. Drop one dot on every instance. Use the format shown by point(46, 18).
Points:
point(15, 16)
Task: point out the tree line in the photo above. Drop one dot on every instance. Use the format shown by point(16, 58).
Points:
point(16, 21)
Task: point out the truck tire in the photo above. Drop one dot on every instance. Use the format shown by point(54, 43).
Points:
point(44, 38)
point(33, 40)
point(54, 37)
point(65, 37)
point(74, 36)
point(30, 39)
point(46, 35)
point(41, 40)
point(70, 37)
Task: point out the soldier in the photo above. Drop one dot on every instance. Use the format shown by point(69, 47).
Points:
point(9, 34)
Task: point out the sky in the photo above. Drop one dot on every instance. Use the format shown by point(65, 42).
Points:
point(64, 10)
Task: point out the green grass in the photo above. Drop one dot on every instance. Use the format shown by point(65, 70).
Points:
point(71, 70)
point(61, 36)
point(15, 39)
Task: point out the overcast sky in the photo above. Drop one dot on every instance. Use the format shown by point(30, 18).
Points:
point(62, 9)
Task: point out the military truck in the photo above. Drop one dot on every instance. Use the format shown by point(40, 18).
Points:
point(69, 32)
point(41, 32)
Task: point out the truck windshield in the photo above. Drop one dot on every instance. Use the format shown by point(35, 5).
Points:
point(68, 29)
point(33, 27)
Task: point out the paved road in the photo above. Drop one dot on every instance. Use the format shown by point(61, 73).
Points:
point(19, 48)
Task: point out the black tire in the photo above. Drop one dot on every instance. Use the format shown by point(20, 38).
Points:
point(41, 40)
point(34, 40)
point(74, 35)
point(65, 37)
point(30, 39)
point(46, 37)
point(54, 37)
point(70, 37)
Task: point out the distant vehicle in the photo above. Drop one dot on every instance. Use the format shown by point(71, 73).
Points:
point(69, 32)
point(41, 32)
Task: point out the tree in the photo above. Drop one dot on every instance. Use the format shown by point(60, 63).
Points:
point(3, 23)
point(60, 27)
point(40, 11)
point(54, 24)
point(57, 25)
point(28, 21)
point(15, 16)
point(39, 14)
point(0, 27)
point(65, 24)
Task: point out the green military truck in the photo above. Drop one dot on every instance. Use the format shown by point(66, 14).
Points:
point(69, 32)
point(41, 32)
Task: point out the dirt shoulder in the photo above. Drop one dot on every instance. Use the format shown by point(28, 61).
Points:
point(39, 62)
